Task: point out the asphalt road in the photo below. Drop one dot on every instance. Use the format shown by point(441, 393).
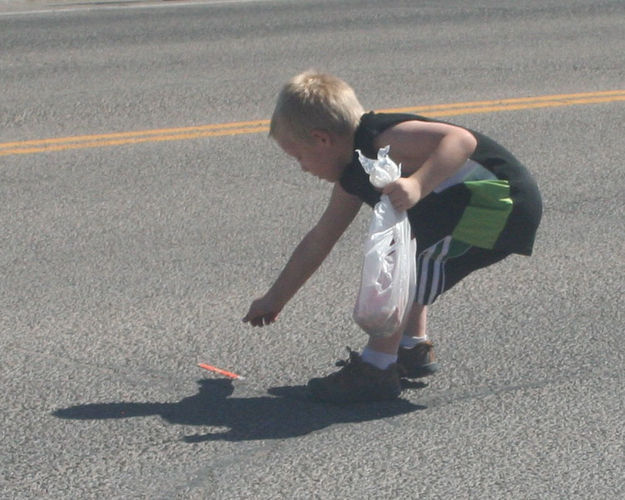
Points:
point(125, 264)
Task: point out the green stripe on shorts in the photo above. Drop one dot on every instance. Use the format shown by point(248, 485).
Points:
point(486, 215)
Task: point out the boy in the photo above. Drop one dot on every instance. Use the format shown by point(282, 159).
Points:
point(469, 201)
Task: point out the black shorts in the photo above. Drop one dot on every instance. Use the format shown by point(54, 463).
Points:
point(444, 264)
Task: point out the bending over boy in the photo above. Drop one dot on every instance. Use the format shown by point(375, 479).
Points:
point(469, 201)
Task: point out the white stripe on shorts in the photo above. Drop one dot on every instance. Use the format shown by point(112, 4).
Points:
point(427, 265)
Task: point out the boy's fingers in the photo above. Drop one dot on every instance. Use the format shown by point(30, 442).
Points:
point(249, 320)
point(389, 188)
point(261, 320)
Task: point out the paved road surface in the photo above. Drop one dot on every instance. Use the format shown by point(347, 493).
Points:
point(124, 265)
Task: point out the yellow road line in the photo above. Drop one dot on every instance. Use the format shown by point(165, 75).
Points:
point(465, 108)
point(82, 142)
point(256, 126)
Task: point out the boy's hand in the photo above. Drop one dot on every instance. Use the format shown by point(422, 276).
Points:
point(262, 312)
point(404, 193)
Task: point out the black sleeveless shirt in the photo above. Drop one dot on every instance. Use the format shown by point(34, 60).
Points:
point(454, 209)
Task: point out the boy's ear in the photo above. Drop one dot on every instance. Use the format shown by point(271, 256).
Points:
point(321, 136)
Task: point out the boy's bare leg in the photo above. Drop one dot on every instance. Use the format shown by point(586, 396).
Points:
point(415, 326)
point(387, 345)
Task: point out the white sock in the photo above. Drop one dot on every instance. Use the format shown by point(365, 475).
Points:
point(409, 342)
point(380, 360)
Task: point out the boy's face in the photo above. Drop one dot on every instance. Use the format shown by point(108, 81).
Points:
point(324, 156)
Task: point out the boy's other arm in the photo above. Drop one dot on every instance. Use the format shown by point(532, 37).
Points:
point(429, 153)
point(307, 257)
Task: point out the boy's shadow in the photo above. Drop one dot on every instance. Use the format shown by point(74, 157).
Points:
point(288, 412)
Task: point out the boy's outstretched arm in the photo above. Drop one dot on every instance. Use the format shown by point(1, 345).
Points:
point(306, 258)
point(429, 153)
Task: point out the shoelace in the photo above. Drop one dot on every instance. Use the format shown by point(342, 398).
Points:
point(353, 358)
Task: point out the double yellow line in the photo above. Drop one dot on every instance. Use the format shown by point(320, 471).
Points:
point(121, 138)
point(547, 101)
point(250, 127)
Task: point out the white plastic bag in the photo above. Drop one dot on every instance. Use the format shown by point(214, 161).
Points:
point(389, 271)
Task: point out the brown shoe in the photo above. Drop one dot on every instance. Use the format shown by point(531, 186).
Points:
point(357, 382)
point(418, 361)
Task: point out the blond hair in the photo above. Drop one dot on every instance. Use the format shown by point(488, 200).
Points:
point(313, 100)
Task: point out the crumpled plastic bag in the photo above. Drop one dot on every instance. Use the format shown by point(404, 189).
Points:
point(389, 271)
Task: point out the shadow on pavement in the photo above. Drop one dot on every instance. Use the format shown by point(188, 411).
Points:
point(286, 412)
